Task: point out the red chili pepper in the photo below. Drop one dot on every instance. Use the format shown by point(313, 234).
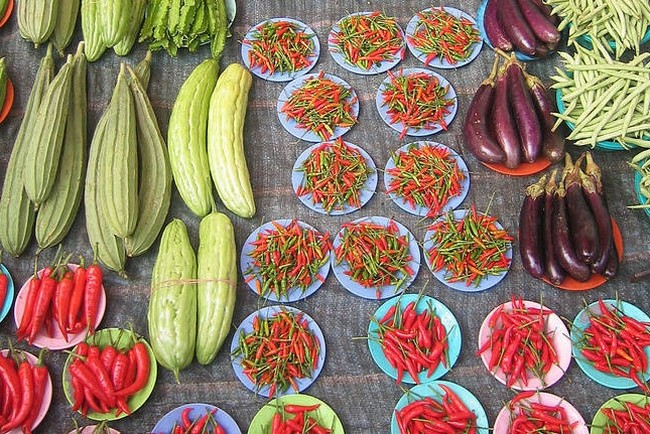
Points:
point(27, 397)
point(41, 377)
point(30, 304)
point(62, 298)
point(42, 305)
point(143, 363)
point(186, 422)
point(92, 294)
point(4, 284)
point(77, 298)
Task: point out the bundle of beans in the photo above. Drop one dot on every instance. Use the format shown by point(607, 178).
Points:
point(526, 26)
point(509, 120)
point(565, 228)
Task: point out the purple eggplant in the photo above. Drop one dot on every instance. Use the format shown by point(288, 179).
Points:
point(582, 222)
point(552, 141)
point(530, 229)
point(503, 123)
point(592, 190)
point(540, 24)
point(525, 114)
point(478, 137)
point(519, 32)
point(553, 271)
point(493, 29)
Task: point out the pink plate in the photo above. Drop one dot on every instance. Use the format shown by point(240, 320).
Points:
point(57, 341)
point(47, 394)
point(556, 332)
point(502, 422)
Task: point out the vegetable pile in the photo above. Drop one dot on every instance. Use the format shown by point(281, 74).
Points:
point(54, 21)
point(520, 343)
point(320, 105)
point(632, 417)
point(205, 424)
point(171, 25)
point(23, 385)
point(414, 340)
point(279, 350)
point(280, 46)
point(425, 176)
point(334, 174)
point(509, 118)
point(286, 257)
point(565, 229)
point(470, 248)
point(63, 297)
point(526, 26)
point(103, 378)
point(448, 414)
point(441, 35)
point(615, 343)
point(376, 255)
point(528, 415)
point(296, 419)
point(367, 40)
point(416, 100)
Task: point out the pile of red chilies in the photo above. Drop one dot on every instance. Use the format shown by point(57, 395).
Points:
point(61, 298)
point(632, 418)
point(448, 415)
point(22, 387)
point(104, 378)
point(519, 343)
point(413, 341)
point(206, 424)
point(300, 421)
point(615, 343)
point(528, 416)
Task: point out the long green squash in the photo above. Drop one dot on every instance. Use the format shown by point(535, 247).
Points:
point(66, 21)
point(171, 312)
point(36, 19)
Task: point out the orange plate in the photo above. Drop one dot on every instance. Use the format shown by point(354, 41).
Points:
point(10, 8)
point(524, 169)
point(570, 284)
point(9, 100)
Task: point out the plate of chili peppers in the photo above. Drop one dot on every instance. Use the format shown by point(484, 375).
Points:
point(426, 178)
point(416, 102)
point(414, 338)
point(532, 411)
point(285, 260)
point(59, 307)
point(375, 257)
point(109, 375)
point(440, 406)
point(334, 178)
point(467, 250)
point(367, 42)
point(278, 350)
point(524, 345)
point(318, 107)
point(27, 376)
point(280, 49)
point(197, 417)
point(5, 106)
point(6, 291)
point(302, 413)
point(444, 37)
point(611, 344)
point(623, 413)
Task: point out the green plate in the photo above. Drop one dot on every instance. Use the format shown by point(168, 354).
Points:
point(600, 420)
point(261, 423)
point(102, 338)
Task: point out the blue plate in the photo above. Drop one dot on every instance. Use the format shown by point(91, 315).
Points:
point(480, 21)
point(486, 283)
point(421, 210)
point(383, 292)
point(417, 132)
point(376, 68)
point(173, 418)
point(247, 326)
point(292, 126)
point(423, 302)
point(9, 297)
point(637, 187)
point(434, 391)
point(248, 269)
point(440, 62)
point(604, 145)
point(581, 322)
point(298, 179)
point(280, 75)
